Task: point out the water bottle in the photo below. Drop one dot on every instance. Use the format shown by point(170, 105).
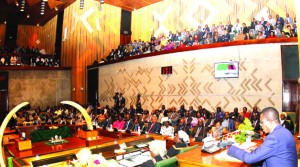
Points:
point(139, 130)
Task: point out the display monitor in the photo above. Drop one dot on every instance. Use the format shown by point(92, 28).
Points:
point(227, 69)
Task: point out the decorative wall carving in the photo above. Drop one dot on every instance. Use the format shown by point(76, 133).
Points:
point(39, 88)
point(192, 82)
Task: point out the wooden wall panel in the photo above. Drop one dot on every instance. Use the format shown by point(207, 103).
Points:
point(39, 88)
point(89, 34)
point(177, 14)
point(42, 37)
point(2, 33)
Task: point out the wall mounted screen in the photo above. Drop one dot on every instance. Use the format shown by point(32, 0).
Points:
point(227, 69)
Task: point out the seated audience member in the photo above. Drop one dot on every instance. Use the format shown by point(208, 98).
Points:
point(255, 123)
point(254, 111)
point(119, 124)
point(166, 129)
point(129, 124)
point(158, 153)
point(260, 35)
point(285, 123)
point(169, 45)
point(272, 35)
point(181, 44)
point(278, 148)
point(199, 132)
point(182, 126)
point(293, 33)
point(246, 112)
point(228, 123)
point(210, 122)
point(187, 119)
point(217, 130)
point(234, 114)
point(247, 36)
point(173, 116)
point(226, 36)
point(241, 117)
point(138, 124)
point(108, 121)
point(220, 114)
point(153, 126)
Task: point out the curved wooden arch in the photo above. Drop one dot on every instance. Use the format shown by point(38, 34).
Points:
point(4, 124)
point(83, 112)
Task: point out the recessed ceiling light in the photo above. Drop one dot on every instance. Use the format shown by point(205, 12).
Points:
point(4, 22)
point(56, 8)
point(28, 16)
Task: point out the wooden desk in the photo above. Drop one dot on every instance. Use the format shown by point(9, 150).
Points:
point(195, 158)
point(23, 144)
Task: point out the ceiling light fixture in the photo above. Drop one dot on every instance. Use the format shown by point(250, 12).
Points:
point(43, 3)
point(101, 1)
point(22, 7)
point(81, 4)
point(56, 9)
point(28, 16)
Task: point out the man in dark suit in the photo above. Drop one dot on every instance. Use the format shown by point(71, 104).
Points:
point(182, 126)
point(129, 124)
point(278, 148)
point(199, 132)
point(255, 122)
point(287, 124)
point(153, 126)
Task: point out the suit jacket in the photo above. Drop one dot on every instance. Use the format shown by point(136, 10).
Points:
point(202, 133)
point(128, 125)
point(155, 128)
point(278, 149)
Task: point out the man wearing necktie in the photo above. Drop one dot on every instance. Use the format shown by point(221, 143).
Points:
point(154, 126)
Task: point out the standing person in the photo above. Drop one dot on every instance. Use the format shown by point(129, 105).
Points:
point(278, 148)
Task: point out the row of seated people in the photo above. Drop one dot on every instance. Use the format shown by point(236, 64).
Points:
point(19, 50)
point(32, 61)
point(259, 29)
point(165, 121)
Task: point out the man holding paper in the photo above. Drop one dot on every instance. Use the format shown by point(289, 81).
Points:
point(278, 148)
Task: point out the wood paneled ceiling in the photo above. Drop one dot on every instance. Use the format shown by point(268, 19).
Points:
point(10, 9)
point(131, 5)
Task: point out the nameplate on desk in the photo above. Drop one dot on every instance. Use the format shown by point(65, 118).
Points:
point(119, 157)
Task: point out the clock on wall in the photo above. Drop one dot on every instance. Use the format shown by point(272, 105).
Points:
point(166, 70)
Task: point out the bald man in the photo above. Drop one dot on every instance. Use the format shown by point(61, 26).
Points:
point(278, 148)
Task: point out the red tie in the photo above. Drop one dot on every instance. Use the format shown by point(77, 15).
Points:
point(151, 127)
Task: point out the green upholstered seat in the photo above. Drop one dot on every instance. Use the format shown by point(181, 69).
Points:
point(170, 162)
point(188, 149)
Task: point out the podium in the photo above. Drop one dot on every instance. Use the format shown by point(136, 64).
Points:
point(23, 144)
point(88, 134)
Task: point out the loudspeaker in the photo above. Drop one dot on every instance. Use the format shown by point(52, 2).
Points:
point(59, 31)
point(290, 62)
point(126, 22)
